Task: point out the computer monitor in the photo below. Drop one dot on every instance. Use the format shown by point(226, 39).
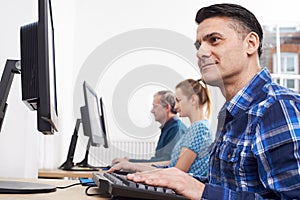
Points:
point(93, 118)
point(38, 75)
point(38, 81)
point(93, 123)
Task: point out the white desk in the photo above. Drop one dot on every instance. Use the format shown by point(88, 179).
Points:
point(75, 193)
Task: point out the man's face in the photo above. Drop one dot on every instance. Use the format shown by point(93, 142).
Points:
point(222, 51)
point(159, 112)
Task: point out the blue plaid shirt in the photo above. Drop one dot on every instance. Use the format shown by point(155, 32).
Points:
point(256, 153)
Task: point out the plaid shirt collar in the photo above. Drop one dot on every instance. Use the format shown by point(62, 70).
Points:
point(245, 97)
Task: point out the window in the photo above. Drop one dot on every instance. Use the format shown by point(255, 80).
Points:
point(289, 66)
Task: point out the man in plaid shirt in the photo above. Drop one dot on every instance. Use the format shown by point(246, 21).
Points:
point(256, 153)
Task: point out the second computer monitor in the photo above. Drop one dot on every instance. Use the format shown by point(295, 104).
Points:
point(92, 116)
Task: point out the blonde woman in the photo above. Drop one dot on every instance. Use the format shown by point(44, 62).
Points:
point(190, 154)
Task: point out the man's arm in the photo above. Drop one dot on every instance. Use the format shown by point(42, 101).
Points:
point(277, 148)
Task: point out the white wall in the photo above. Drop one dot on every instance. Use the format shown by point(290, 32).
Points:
point(17, 140)
point(106, 43)
point(20, 143)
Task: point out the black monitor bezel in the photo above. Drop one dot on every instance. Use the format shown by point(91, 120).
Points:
point(47, 104)
point(103, 120)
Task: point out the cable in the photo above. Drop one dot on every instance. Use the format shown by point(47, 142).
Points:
point(86, 190)
point(91, 194)
point(67, 186)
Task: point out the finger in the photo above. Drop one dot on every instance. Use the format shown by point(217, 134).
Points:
point(115, 161)
point(158, 177)
point(115, 167)
point(142, 176)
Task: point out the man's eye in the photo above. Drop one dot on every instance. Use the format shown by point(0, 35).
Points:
point(214, 39)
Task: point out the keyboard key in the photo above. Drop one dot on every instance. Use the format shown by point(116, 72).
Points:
point(151, 188)
point(160, 189)
point(141, 186)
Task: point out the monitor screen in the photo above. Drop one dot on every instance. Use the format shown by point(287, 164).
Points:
point(38, 75)
point(93, 118)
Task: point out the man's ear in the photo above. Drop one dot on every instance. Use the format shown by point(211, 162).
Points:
point(252, 43)
point(168, 107)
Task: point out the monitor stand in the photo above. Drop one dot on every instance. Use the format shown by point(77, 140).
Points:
point(69, 165)
point(84, 165)
point(11, 68)
point(19, 187)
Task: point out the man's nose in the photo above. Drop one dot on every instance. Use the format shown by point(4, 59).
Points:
point(203, 51)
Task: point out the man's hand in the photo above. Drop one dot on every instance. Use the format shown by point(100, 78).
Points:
point(172, 178)
point(117, 160)
point(127, 166)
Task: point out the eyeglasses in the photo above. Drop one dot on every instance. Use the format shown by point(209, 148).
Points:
point(156, 106)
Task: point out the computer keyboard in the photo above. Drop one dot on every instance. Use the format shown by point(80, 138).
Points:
point(117, 185)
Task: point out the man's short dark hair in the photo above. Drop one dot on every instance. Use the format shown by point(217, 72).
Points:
point(246, 18)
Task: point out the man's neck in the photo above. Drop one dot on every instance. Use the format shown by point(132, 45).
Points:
point(230, 89)
point(167, 119)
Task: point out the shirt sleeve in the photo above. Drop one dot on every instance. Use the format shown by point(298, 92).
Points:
point(277, 148)
point(212, 191)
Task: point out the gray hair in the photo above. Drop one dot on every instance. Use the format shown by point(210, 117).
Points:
point(167, 97)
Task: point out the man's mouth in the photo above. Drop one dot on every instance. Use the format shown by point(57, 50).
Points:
point(205, 66)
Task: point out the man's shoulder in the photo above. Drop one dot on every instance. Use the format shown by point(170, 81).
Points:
point(262, 89)
point(174, 121)
point(180, 124)
point(277, 99)
point(277, 94)
point(280, 92)
point(175, 124)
